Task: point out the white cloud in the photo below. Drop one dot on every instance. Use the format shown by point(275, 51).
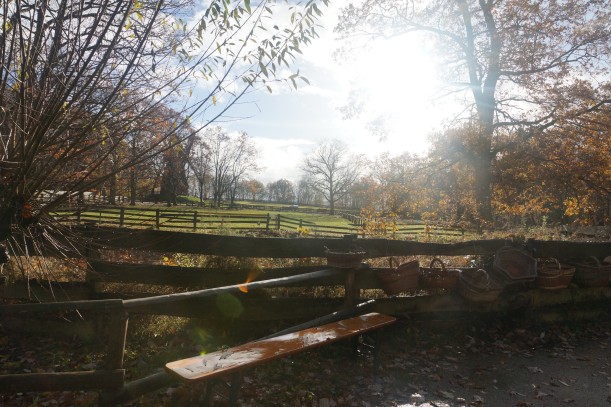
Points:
point(282, 158)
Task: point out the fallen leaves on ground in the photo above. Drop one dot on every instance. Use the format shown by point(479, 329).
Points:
point(424, 363)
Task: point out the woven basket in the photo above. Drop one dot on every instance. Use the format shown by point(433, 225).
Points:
point(591, 273)
point(395, 280)
point(438, 277)
point(514, 266)
point(554, 276)
point(477, 286)
point(344, 259)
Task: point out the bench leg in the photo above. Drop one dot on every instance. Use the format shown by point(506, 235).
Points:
point(354, 345)
point(376, 337)
point(234, 391)
point(209, 396)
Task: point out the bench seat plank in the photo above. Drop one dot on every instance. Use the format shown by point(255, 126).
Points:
point(200, 368)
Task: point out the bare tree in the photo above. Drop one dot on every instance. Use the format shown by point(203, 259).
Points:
point(200, 165)
point(244, 157)
point(230, 160)
point(254, 188)
point(332, 171)
point(306, 195)
point(281, 191)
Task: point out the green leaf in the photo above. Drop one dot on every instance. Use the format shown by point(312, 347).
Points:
point(247, 5)
point(263, 69)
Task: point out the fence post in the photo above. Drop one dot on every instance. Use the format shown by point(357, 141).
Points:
point(300, 223)
point(278, 222)
point(117, 334)
point(121, 217)
point(157, 218)
point(267, 222)
point(194, 221)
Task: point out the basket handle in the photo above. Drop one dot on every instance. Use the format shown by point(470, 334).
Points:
point(480, 271)
point(557, 263)
point(595, 260)
point(438, 260)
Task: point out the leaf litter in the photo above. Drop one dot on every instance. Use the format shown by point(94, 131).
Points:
point(424, 363)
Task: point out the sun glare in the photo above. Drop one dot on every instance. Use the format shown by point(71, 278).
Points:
point(397, 81)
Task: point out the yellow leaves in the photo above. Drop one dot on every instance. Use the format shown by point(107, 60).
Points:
point(168, 261)
point(214, 100)
point(571, 207)
point(303, 231)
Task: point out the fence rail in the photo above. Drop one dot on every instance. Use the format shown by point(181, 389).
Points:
point(201, 221)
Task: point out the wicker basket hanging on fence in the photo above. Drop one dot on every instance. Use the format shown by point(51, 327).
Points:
point(591, 273)
point(402, 278)
point(478, 286)
point(514, 266)
point(551, 275)
point(438, 277)
point(345, 259)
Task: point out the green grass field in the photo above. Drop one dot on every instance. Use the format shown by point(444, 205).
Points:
point(211, 220)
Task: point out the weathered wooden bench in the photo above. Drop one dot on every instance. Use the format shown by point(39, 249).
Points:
point(233, 361)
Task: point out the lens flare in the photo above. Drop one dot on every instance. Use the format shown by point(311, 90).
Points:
point(252, 275)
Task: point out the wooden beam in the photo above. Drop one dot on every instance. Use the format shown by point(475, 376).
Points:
point(277, 282)
point(244, 307)
point(185, 276)
point(66, 381)
point(241, 246)
point(94, 305)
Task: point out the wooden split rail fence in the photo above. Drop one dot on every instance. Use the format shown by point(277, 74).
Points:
point(241, 284)
point(200, 221)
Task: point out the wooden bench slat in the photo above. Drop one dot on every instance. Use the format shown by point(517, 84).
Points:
point(204, 367)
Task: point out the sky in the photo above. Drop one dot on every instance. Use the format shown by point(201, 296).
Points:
point(395, 78)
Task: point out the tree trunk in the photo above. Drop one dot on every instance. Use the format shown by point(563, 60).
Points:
point(112, 189)
point(483, 187)
point(132, 187)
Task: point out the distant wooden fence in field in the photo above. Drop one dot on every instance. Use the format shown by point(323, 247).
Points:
point(201, 221)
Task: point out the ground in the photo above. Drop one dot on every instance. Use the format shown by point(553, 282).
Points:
point(464, 361)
